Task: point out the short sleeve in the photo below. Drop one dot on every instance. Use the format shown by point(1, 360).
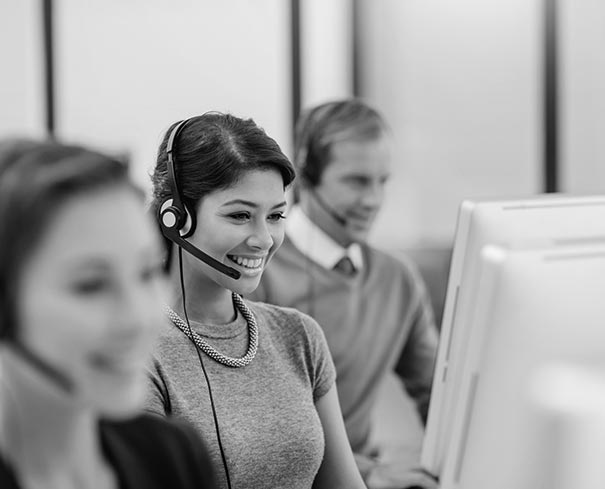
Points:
point(156, 396)
point(323, 369)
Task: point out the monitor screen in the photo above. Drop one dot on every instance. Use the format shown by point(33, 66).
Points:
point(532, 307)
point(548, 218)
point(566, 413)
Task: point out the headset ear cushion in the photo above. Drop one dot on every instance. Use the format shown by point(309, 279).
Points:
point(180, 218)
point(190, 222)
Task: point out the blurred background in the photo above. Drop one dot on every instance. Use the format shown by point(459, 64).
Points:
point(486, 98)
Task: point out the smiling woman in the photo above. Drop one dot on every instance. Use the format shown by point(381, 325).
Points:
point(256, 380)
point(80, 286)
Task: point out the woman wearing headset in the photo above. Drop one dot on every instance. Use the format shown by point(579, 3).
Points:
point(255, 379)
point(80, 283)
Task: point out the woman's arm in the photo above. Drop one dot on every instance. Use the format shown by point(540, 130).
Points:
point(338, 469)
point(157, 400)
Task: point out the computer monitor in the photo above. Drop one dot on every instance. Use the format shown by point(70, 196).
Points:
point(532, 308)
point(567, 426)
point(545, 218)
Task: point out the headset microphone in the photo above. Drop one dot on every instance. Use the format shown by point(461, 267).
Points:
point(308, 167)
point(173, 234)
point(57, 377)
point(176, 221)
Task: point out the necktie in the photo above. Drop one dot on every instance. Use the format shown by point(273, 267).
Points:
point(345, 266)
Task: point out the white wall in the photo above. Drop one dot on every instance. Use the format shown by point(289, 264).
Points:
point(460, 85)
point(326, 50)
point(127, 70)
point(22, 85)
point(582, 91)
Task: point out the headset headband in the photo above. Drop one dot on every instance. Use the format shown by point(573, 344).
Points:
point(174, 216)
point(172, 181)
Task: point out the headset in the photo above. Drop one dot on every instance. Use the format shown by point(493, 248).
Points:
point(307, 159)
point(177, 222)
point(307, 148)
point(59, 378)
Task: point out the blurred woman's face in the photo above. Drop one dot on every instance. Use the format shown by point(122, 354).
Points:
point(90, 295)
point(242, 226)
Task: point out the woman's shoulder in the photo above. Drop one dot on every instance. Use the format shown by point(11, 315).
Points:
point(281, 316)
point(392, 266)
point(294, 329)
point(302, 341)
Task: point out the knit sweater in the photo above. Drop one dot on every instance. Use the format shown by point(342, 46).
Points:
point(375, 321)
point(269, 427)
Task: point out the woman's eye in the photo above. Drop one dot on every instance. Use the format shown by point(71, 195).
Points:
point(277, 216)
point(240, 216)
point(90, 286)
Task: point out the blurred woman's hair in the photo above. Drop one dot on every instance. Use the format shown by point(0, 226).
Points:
point(36, 179)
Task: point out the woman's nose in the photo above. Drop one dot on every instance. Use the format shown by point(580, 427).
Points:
point(260, 237)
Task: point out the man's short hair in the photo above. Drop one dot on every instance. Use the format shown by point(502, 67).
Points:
point(319, 127)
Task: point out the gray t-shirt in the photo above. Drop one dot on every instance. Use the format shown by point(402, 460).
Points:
point(269, 426)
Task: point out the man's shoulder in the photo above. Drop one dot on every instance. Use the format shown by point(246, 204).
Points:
point(396, 261)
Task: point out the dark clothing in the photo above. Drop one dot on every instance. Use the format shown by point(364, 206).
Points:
point(147, 452)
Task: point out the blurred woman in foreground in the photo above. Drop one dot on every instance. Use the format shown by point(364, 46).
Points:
point(80, 294)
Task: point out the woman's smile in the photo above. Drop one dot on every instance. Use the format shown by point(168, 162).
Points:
point(250, 265)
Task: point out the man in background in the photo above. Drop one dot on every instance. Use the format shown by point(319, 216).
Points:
point(373, 307)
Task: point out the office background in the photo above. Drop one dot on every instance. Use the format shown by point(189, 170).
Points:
point(486, 98)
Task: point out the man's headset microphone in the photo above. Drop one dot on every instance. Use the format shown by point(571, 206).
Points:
point(308, 158)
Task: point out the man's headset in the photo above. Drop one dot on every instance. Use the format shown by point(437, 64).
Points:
point(308, 144)
point(308, 158)
point(176, 221)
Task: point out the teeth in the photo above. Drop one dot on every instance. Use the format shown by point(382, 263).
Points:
point(246, 262)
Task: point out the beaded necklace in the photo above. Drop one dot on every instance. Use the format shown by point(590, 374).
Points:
point(210, 350)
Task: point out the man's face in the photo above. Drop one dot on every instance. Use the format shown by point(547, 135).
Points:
point(353, 185)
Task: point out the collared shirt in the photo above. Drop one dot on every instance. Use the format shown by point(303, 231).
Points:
point(316, 244)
